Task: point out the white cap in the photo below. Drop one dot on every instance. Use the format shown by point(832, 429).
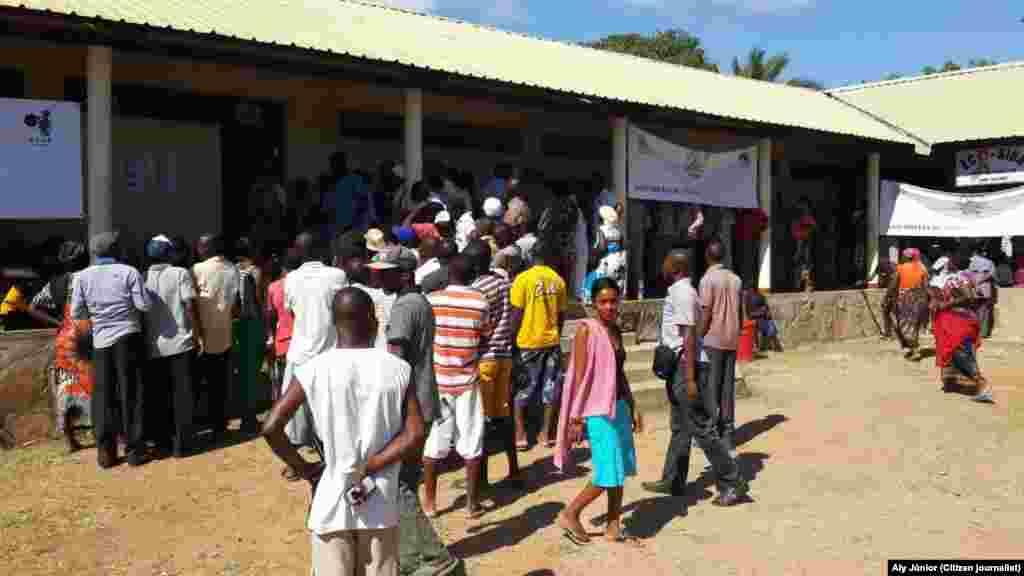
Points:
point(443, 217)
point(493, 208)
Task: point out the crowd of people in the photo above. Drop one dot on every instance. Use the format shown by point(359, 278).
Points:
point(957, 297)
point(383, 343)
point(390, 342)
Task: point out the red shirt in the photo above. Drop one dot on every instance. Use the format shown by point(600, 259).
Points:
point(802, 228)
point(285, 319)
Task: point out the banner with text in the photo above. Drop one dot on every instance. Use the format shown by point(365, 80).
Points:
point(666, 172)
point(905, 210)
point(40, 159)
point(990, 165)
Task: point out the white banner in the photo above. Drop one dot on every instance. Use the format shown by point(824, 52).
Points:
point(905, 210)
point(40, 159)
point(990, 165)
point(666, 172)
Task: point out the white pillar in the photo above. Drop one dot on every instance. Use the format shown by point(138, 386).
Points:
point(619, 183)
point(99, 60)
point(413, 136)
point(871, 243)
point(620, 129)
point(764, 188)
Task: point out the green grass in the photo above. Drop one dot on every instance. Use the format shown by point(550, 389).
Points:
point(22, 461)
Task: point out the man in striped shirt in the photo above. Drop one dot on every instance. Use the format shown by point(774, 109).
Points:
point(496, 360)
point(463, 328)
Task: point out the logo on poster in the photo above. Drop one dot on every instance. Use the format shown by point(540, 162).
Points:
point(971, 208)
point(42, 127)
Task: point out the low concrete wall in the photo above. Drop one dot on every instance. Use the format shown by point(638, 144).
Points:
point(24, 398)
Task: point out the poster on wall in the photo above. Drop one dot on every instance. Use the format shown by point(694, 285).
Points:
point(666, 172)
point(40, 159)
point(989, 166)
point(906, 210)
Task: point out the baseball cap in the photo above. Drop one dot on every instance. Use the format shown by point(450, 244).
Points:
point(401, 258)
point(375, 240)
point(443, 217)
point(159, 247)
point(403, 233)
point(493, 208)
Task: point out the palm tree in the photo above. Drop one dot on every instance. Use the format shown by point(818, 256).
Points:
point(759, 68)
point(806, 83)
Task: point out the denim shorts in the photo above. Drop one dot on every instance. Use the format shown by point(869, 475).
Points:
point(542, 374)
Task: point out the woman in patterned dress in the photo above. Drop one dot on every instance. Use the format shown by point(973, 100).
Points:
point(909, 287)
point(72, 381)
point(957, 330)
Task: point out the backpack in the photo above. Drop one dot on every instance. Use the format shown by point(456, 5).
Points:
point(249, 307)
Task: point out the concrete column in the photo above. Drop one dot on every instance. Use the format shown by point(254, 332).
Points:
point(620, 159)
point(99, 60)
point(413, 136)
point(873, 185)
point(764, 189)
point(619, 184)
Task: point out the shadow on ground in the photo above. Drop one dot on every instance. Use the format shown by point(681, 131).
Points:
point(650, 515)
point(490, 536)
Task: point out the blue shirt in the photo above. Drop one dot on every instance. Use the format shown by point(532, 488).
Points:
point(111, 295)
point(350, 203)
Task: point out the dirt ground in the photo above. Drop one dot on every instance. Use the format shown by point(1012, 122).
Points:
point(853, 454)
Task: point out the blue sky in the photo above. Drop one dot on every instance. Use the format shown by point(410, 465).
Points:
point(835, 42)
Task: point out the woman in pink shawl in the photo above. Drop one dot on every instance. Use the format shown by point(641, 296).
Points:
point(597, 402)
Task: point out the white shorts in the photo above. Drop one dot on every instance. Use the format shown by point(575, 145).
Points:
point(461, 420)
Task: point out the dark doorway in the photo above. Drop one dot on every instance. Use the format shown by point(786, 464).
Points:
point(251, 136)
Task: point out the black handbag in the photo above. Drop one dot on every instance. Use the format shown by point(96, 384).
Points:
point(666, 362)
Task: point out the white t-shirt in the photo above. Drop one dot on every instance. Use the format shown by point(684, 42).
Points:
point(682, 308)
point(356, 399)
point(309, 294)
point(426, 269)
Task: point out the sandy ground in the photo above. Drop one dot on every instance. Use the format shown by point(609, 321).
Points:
point(854, 456)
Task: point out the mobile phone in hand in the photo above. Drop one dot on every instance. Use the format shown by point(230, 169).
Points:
point(358, 495)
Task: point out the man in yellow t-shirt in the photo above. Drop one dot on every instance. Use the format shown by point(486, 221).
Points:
point(538, 299)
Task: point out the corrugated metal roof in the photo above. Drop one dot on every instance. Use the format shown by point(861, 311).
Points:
point(975, 104)
point(385, 34)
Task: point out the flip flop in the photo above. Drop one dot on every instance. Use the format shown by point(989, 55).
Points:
point(289, 474)
point(523, 446)
point(624, 537)
point(575, 538)
point(984, 398)
point(476, 514)
point(430, 513)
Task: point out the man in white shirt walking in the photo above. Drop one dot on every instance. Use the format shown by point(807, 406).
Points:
point(369, 419)
point(309, 293)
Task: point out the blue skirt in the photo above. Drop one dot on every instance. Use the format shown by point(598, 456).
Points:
point(611, 447)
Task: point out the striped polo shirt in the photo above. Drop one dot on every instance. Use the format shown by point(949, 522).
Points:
point(461, 316)
point(496, 290)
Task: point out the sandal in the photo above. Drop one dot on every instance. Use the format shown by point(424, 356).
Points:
point(984, 397)
point(475, 513)
point(575, 537)
point(289, 474)
point(430, 513)
point(523, 446)
point(624, 537)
